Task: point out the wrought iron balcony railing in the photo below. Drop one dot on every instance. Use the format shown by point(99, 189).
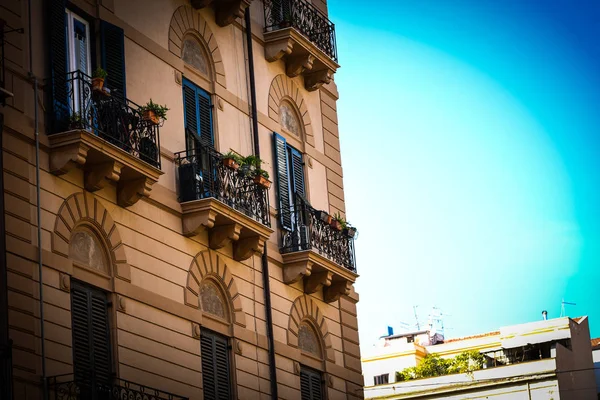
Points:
point(305, 18)
point(310, 232)
point(117, 120)
point(202, 174)
point(68, 387)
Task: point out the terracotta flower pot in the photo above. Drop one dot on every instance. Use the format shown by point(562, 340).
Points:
point(262, 181)
point(350, 232)
point(230, 163)
point(149, 115)
point(323, 216)
point(97, 83)
point(335, 224)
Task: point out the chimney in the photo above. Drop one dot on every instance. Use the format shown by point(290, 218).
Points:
point(545, 315)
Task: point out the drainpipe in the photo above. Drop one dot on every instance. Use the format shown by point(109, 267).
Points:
point(34, 79)
point(265, 263)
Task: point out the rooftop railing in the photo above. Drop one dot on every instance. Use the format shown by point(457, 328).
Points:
point(310, 232)
point(304, 17)
point(117, 120)
point(69, 387)
point(202, 174)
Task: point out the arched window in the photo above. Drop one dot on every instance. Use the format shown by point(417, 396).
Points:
point(193, 54)
point(85, 248)
point(308, 340)
point(212, 300)
point(288, 118)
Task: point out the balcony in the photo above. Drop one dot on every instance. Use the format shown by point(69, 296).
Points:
point(297, 32)
point(226, 11)
point(67, 387)
point(104, 134)
point(223, 200)
point(315, 252)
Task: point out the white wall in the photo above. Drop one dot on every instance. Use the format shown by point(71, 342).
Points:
point(596, 358)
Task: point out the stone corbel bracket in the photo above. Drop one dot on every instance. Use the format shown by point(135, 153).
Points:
point(226, 11)
point(102, 163)
point(317, 273)
point(224, 226)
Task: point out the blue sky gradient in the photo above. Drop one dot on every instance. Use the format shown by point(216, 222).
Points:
point(469, 133)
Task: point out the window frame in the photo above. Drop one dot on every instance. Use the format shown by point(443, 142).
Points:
point(71, 15)
point(382, 379)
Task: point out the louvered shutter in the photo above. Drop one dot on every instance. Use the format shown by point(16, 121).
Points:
point(283, 181)
point(215, 367)
point(297, 168)
point(57, 43)
point(205, 116)
point(311, 387)
point(91, 334)
point(112, 43)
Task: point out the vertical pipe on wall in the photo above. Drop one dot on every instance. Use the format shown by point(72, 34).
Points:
point(38, 205)
point(264, 260)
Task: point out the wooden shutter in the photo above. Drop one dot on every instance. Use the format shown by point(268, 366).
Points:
point(297, 168)
point(311, 387)
point(215, 366)
point(283, 181)
point(57, 44)
point(205, 117)
point(91, 334)
point(197, 115)
point(112, 43)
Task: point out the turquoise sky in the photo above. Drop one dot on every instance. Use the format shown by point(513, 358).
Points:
point(470, 148)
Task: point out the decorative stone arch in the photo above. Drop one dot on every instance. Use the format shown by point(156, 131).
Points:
point(304, 308)
point(84, 209)
point(284, 88)
point(208, 264)
point(185, 20)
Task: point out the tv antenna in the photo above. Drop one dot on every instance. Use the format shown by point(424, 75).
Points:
point(416, 318)
point(564, 303)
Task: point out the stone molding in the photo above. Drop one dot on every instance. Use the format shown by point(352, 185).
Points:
point(208, 264)
point(226, 11)
point(184, 20)
point(304, 308)
point(84, 209)
point(282, 88)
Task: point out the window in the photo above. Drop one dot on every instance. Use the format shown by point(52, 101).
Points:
point(214, 351)
point(91, 334)
point(86, 249)
point(290, 179)
point(381, 379)
point(78, 43)
point(288, 118)
point(197, 116)
point(308, 340)
point(311, 384)
point(211, 299)
point(410, 339)
point(193, 54)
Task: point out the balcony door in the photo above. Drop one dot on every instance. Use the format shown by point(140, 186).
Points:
point(78, 58)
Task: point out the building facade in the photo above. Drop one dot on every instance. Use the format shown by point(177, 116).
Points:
point(548, 359)
point(164, 261)
point(596, 359)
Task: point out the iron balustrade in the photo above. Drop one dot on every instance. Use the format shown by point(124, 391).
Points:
point(202, 174)
point(70, 387)
point(310, 232)
point(305, 18)
point(117, 120)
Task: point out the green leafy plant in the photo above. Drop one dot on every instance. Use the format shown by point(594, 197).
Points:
point(235, 157)
point(341, 220)
point(433, 365)
point(159, 111)
point(99, 73)
point(253, 161)
point(262, 173)
point(75, 120)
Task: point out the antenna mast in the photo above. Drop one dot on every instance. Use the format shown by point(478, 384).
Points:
point(416, 318)
point(564, 303)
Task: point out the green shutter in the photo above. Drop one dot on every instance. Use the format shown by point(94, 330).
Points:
point(215, 366)
point(197, 116)
point(283, 181)
point(205, 117)
point(112, 43)
point(57, 45)
point(311, 386)
point(297, 168)
point(91, 334)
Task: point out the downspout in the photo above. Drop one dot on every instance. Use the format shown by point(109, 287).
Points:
point(265, 263)
point(34, 79)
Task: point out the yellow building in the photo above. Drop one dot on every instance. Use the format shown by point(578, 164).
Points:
point(548, 359)
point(163, 261)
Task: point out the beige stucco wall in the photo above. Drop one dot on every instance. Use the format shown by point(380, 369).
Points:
point(153, 335)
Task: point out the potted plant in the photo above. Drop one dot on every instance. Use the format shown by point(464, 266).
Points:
point(324, 216)
point(337, 222)
point(232, 160)
point(261, 178)
point(350, 231)
point(75, 121)
point(98, 77)
point(286, 21)
point(154, 112)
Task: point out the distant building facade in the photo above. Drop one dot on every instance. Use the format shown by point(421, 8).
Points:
point(596, 358)
point(548, 359)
